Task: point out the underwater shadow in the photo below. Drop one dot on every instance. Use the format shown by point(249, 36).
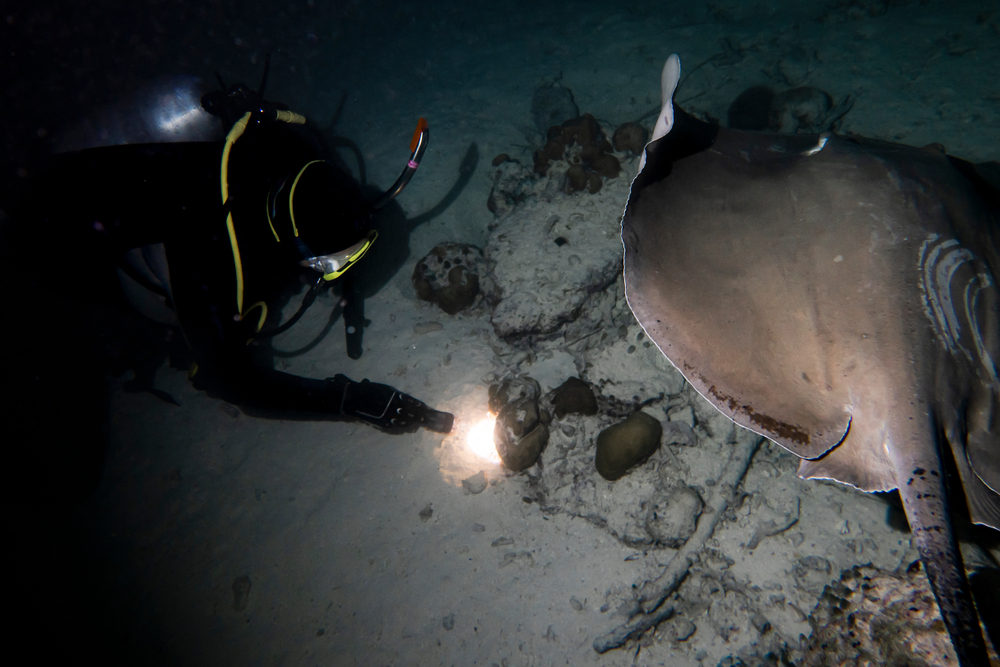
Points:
point(392, 249)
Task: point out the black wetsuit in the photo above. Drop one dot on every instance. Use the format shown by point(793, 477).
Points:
point(102, 202)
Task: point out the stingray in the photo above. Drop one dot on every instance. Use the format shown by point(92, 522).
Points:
point(838, 296)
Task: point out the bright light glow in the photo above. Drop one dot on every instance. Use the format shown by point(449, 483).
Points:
point(175, 120)
point(480, 440)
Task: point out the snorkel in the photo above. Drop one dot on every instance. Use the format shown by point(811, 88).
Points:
point(418, 144)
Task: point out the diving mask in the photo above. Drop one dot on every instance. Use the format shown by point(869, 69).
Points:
point(334, 265)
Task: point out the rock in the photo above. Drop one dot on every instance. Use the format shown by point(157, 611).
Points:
point(449, 276)
point(872, 616)
point(651, 375)
point(574, 396)
point(802, 109)
point(812, 574)
point(475, 484)
point(576, 178)
point(679, 433)
point(630, 137)
point(582, 144)
point(683, 415)
point(520, 435)
point(552, 260)
point(673, 515)
point(519, 387)
point(624, 445)
point(606, 165)
point(681, 630)
point(513, 184)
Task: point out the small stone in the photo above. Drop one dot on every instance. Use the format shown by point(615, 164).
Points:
point(512, 389)
point(426, 512)
point(475, 484)
point(683, 415)
point(478, 528)
point(448, 622)
point(427, 327)
point(502, 542)
point(761, 623)
point(673, 515)
point(574, 396)
point(576, 604)
point(627, 444)
point(519, 435)
point(682, 629)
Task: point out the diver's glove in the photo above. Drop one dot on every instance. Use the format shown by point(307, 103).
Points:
point(387, 408)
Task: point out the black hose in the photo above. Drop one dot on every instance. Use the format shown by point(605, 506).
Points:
point(307, 301)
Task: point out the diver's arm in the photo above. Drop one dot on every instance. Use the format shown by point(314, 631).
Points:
point(338, 398)
point(387, 408)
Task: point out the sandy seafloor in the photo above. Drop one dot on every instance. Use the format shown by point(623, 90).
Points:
point(325, 518)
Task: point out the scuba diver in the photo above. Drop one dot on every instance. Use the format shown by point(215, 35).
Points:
point(211, 249)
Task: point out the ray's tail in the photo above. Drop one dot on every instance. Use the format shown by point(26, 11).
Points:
point(923, 488)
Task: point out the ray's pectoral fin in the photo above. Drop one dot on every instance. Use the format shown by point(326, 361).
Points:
point(976, 458)
point(983, 502)
point(810, 425)
point(860, 462)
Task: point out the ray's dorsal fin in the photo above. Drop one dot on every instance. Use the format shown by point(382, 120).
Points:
point(669, 78)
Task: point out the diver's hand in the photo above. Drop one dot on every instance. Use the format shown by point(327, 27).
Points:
point(389, 409)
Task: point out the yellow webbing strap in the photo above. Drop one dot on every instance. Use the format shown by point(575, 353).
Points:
point(291, 195)
point(263, 314)
point(235, 133)
point(291, 117)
